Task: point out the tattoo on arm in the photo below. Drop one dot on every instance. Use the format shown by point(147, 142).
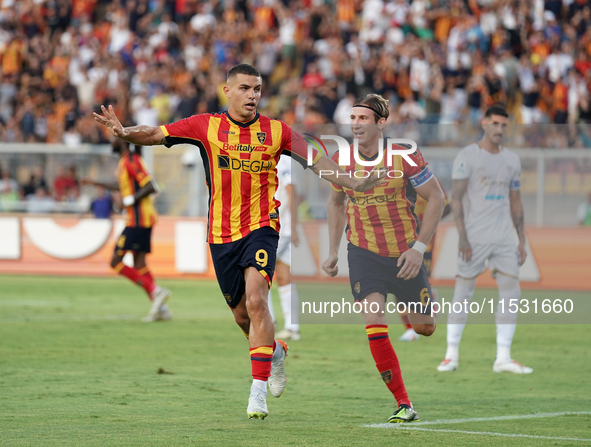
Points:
point(517, 216)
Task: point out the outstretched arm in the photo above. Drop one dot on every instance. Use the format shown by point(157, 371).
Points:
point(517, 216)
point(140, 135)
point(327, 169)
point(108, 186)
point(336, 224)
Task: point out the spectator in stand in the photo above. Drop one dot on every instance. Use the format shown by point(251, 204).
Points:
point(65, 180)
point(62, 59)
point(37, 179)
point(40, 202)
point(102, 206)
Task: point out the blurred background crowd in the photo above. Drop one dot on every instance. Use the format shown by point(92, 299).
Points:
point(161, 60)
point(440, 63)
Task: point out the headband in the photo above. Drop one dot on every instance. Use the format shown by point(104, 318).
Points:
point(370, 108)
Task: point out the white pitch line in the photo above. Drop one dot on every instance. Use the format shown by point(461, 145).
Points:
point(494, 418)
point(490, 433)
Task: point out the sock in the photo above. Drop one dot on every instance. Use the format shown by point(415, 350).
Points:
point(506, 321)
point(290, 300)
point(405, 321)
point(245, 334)
point(386, 361)
point(270, 305)
point(259, 385)
point(148, 279)
point(504, 335)
point(134, 276)
point(260, 358)
point(456, 321)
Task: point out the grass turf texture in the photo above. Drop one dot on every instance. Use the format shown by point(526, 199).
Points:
point(78, 368)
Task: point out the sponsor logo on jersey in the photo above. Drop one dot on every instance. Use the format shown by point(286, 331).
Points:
point(371, 199)
point(243, 148)
point(225, 162)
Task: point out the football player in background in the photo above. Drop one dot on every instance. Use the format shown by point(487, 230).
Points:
point(288, 234)
point(136, 187)
point(485, 177)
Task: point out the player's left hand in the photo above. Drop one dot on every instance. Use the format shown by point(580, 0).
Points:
point(377, 177)
point(521, 253)
point(412, 260)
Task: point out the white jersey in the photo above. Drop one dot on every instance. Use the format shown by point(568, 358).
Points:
point(487, 213)
point(284, 179)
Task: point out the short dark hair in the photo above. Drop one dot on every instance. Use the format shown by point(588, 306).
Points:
point(376, 103)
point(496, 109)
point(245, 69)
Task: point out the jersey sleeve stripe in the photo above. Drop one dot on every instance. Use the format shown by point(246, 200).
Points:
point(164, 130)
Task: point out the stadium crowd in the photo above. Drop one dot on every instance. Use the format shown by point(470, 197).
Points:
point(162, 60)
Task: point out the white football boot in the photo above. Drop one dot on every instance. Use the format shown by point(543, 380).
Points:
point(511, 366)
point(278, 381)
point(448, 365)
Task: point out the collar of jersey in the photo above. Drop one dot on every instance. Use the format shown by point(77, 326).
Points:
point(240, 123)
point(374, 156)
point(368, 157)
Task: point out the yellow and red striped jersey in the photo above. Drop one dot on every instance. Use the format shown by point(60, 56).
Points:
point(239, 160)
point(382, 220)
point(133, 175)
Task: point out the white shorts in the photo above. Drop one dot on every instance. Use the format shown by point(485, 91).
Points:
point(501, 258)
point(284, 250)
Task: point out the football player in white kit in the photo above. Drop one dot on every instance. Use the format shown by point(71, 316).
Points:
point(486, 176)
point(288, 294)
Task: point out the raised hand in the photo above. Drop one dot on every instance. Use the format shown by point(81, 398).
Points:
point(110, 120)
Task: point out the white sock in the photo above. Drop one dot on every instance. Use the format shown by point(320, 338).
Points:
point(509, 292)
point(259, 385)
point(270, 305)
point(456, 321)
point(290, 300)
point(504, 351)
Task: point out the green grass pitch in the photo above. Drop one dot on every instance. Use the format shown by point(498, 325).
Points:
point(78, 368)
